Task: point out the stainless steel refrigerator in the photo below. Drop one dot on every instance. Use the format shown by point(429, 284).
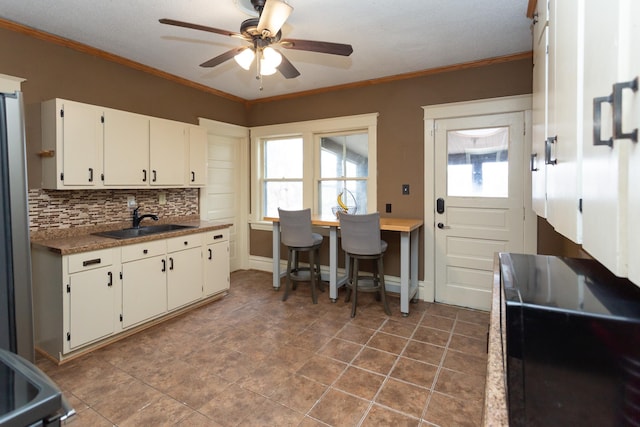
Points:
point(16, 317)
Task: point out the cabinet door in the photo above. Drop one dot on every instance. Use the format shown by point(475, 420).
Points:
point(81, 144)
point(184, 278)
point(91, 306)
point(197, 157)
point(539, 126)
point(167, 152)
point(216, 271)
point(631, 121)
point(564, 186)
point(604, 169)
point(126, 149)
point(144, 290)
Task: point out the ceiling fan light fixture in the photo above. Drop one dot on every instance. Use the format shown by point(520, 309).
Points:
point(245, 58)
point(266, 70)
point(271, 58)
point(273, 17)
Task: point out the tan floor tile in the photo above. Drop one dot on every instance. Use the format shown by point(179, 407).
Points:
point(448, 411)
point(468, 345)
point(406, 398)
point(414, 372)
point(265, 379)
point(375, 360)
point(355, 333)
point(196, 419)
point(339, 409)
point(89, 417)
point(460, 385)
point(431, 336)
point(232, 406)
point(309, 340)
point(341, 349)
point(424, 352)
point(322, 369)
point(474, 316)
point(299, 393)
point(389, 343)
point(271, 413)
point(437, 322)
point(120, 402)
point(163, 412)
point(359, 382)
point(465, 362)
point(370, 321)
point(473, 330)
point(380, 416)
point(396, 327)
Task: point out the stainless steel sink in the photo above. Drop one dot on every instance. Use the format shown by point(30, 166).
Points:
point(129, 233)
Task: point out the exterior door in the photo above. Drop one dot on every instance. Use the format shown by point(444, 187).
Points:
point(479, 187)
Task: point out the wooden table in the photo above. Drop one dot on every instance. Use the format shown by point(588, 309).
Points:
point(409, 230)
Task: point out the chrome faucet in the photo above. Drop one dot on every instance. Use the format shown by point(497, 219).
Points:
point(137, 219)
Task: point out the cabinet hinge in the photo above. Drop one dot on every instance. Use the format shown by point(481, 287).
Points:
point(68, 289)
point(121, 317)
point(68, 336)
point(121, 275)
point(102, 176)
point(101, 119)
point(61, 112)
point(580, 205)
point(61, 176)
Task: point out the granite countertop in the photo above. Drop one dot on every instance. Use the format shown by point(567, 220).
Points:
point(495, 399)
point(79, 239)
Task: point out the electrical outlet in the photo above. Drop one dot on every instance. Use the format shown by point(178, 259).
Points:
point(405, 189)
point(388, 207)
point(162, 198)
point(131, 202)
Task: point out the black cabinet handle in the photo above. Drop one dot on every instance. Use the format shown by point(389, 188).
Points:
point(90, 174)
point(597, 120)
point(110, 274)
point(547, 150)
point(533, 161)
point(145, 251)
point(144, 175)
point(91, 262)
point(210, 254)
point(164, 265)
point(153, 172)
point(170, 263)
point(617, 110)
point(193, 176)
point(218, 236)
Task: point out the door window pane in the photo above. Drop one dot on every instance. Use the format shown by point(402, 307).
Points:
point(478, 162)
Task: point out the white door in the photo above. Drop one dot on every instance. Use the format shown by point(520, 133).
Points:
point(479, 187)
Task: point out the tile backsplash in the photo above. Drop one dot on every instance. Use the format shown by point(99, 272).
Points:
point(62, 209)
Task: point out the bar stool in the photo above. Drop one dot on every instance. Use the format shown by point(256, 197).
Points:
point(297, 235)
point(361, 241)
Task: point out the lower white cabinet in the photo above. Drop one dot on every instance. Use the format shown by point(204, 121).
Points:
point(184, 270)
point(83, 299)
point(216, 262)
point(144, 278)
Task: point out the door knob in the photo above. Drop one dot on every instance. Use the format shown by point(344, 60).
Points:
point(441, 226)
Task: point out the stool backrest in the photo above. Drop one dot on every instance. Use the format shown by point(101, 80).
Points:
point(361, 234)
point(295, 228)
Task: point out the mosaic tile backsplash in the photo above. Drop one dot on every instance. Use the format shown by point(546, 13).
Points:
point(55, 209)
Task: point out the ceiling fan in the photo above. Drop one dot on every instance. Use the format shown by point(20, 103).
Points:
point(263, 34)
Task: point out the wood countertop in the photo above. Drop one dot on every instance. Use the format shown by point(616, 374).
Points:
point(71, 241)
point(386, 224)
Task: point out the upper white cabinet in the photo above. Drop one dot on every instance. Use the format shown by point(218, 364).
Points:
point(72, 140)
point(197, 171)
point(126, 149)
point(85, 146)
point(563, 145)
point(167, 147)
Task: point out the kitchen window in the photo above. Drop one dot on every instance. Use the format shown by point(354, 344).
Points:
point(326, 165)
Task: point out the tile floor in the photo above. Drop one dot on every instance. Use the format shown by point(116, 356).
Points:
point(252, 360)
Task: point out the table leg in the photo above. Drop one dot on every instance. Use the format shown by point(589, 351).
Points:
point(276, 255)
point(413, 283)
point(333, 263)
point(405, 260)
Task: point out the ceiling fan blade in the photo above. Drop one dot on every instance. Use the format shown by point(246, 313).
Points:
point(287, 69)
point(199, 27)
point(222, 58)
point(273, 17)
point(317, 46)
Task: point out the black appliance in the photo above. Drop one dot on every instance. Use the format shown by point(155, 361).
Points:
point(571, 343)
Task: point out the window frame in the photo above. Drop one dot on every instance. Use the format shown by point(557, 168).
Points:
point(311, 132)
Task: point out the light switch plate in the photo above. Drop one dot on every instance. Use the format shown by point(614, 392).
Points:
point(162, 198)
point(131, 202)
point(405, 189)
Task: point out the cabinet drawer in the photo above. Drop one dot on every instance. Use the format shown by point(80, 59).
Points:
point(90, 260)
point(216, 236)
point(143, 250)
point(184, 242)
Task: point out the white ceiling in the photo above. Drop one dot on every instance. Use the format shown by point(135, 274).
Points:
point(388, 37)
